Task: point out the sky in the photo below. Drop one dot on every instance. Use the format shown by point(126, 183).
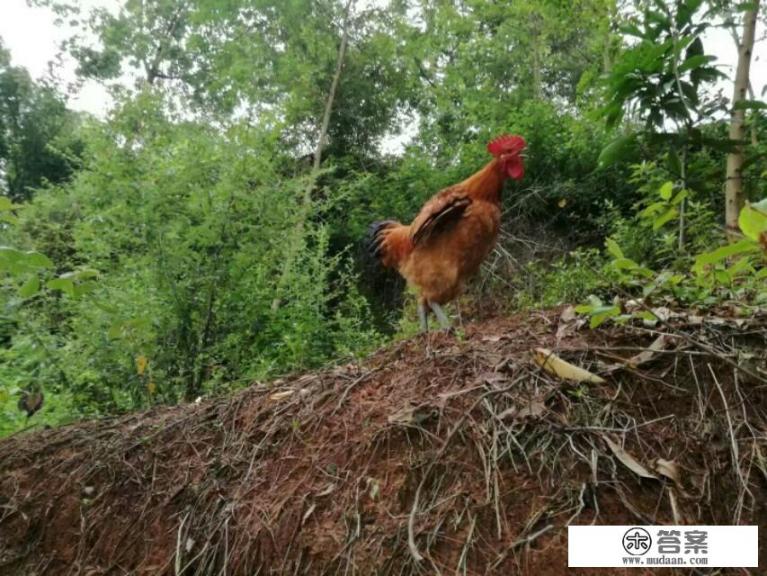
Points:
point(33, 39)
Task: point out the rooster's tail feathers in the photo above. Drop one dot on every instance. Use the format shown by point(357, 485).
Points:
point(388, 241)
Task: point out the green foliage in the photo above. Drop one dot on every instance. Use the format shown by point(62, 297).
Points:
point(186, 246)
point(194, 235)
point(650, 235)
point(661, 75)
point(571, 278)
point(39, 140)
point(731, 272)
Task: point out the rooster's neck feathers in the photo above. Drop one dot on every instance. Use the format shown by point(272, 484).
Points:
point(486, 184)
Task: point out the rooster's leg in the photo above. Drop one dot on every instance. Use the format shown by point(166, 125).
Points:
point(444, 321)
point(422, 316)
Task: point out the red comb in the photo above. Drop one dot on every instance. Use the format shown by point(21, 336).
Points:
point(506, 144)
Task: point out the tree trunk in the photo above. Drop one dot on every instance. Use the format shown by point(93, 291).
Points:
point(536, 26)
point(734, 184)
point(298, 232)
point(333, 88)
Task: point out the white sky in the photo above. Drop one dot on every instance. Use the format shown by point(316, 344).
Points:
point(33, 39)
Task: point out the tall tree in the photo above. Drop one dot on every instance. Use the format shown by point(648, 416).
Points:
point(38, 135)
point(734, 197)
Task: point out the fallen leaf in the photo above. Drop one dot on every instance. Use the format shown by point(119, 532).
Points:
point(493, 338)
point(566, 322)
point(662, 313)
point(553, 364)
point(329, 489)
point(568, 314)
point(669, 469)
point(280, 395)
point(627, 459)
point(678, 518)
point(533, 410)
point(374, 488)
point(411, 415)
point(662, 342)
point(308, 513)
point(492, 378)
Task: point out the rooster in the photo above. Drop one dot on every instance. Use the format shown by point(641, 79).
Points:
point(452, 234)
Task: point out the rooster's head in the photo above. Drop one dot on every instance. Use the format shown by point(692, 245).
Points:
point(507, 149)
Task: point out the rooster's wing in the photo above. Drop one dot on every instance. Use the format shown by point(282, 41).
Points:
point(439, 214)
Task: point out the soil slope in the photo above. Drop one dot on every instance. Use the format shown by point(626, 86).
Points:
point(452, 456)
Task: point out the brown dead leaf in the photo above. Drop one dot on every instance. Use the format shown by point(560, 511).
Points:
point(308, 513)
point(675, 511)
point(281, 395)
point(627, 459)
point(567, 322)
point(662, 342)
point(412, 415)
point(553, 364)
point(329, 489)
point(492, 378)
point(534, 409)
point(492, 338)
point(669, 469)
point(568, 314)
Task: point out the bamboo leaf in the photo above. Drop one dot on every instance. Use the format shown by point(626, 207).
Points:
point(553, 364)
point(627, 459)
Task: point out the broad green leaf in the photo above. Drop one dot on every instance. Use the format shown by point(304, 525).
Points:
point(653, 209)
point(6, 204)
point(83, 274)
point(17, 261)
point(617, 150)
point(646, 315)
point(722, 253)
point(625, 264)
point(646, 272)
point(695, 62)
point(65, 285)
point(747, 6)
point(750, 105)
point(602, 314)
point(681, 195)
point(669, 215)
point(723, 277)
point(666, 190)
point(37, 260)
point(674, 163)
point(82, 288)
point(753, 220)
point(613, 248)
point(631, 30)
point(741, 265)
point(30, 287)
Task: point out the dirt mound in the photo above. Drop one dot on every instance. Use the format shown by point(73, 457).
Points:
point(466, 457)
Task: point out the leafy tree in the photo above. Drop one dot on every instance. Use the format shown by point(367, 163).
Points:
point(38, 135)
point(660, 80)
